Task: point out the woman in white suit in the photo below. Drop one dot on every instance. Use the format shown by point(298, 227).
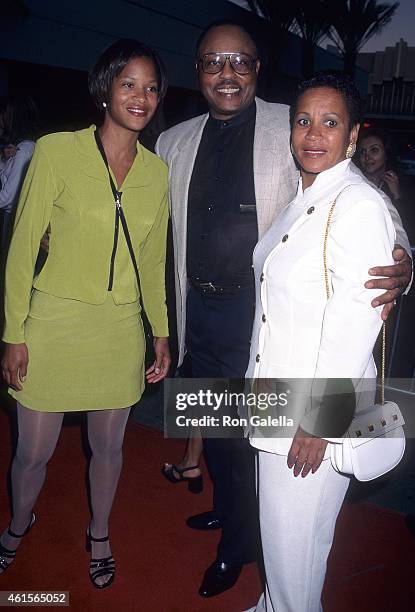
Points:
point(299, 333)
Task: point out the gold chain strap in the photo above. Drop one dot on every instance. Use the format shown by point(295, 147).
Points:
point(326, 279)
point(382, 367)
point(326, 235)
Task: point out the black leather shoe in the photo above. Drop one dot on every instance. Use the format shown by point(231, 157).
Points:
point(219, 577)
point(206, 521)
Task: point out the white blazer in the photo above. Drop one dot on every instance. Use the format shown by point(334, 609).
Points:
point(297, 332)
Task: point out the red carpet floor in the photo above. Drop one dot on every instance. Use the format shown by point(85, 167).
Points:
point(160, 562)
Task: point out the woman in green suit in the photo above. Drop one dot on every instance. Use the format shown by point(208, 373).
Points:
point(74, 337)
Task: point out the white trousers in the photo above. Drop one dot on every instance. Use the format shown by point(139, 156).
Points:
point(297, 517)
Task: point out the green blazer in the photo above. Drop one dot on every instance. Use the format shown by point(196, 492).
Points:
point(67, 185)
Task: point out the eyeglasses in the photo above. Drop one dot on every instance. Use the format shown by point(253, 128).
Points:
point(213, 63)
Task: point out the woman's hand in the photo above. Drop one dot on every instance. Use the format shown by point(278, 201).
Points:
point(161, 365)
point(392, 181)
point(306, 453)
point(14, 365)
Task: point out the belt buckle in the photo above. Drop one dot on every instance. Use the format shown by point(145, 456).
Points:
point(208, 287)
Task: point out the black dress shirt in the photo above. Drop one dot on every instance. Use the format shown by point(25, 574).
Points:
point(221, 221)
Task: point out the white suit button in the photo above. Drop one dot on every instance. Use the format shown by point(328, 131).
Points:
point(261, 278)
point(257, 358)
point(310, 210)
point(264, 318)
point(285, 238)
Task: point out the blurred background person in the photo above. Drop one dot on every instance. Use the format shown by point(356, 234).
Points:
point(377, 159)
point(19, 127)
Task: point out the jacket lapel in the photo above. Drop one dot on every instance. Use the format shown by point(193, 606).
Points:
point(181, 169)
point(275, 175)
point(94, 167)
point(314, 205)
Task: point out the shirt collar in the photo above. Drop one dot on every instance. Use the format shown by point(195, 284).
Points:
point(85, 143)
point(323, 180)
point(94, 165)
point(239, 119)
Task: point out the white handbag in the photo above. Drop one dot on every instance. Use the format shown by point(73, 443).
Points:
point(375, 441)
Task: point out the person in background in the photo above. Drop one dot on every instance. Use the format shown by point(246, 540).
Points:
point(74, 336)
point(376, 158)
point(18, 127)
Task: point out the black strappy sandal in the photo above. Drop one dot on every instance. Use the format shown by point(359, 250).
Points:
point(8, 556)
point(194, 483)
point(100, 567)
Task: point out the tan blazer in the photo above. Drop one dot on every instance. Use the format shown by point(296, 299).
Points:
point(275, 178)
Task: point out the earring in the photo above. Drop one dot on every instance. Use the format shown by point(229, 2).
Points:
point(351, 150)
point(104, 105)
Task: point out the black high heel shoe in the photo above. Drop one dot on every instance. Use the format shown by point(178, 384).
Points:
point(194, 483)
point(8, 556)
point(101, 567)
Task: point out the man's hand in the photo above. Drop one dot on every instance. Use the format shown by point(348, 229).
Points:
point(14, 365)
point(161, 365)
point(9, 151)
point(397, 278)
point(306, 453)
point(44, 243)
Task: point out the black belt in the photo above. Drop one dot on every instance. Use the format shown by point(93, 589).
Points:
point(213, 288)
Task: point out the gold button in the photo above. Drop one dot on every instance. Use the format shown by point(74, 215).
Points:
point(310, 210)
point(257, 358)
point(285, 238)
point(264, 318)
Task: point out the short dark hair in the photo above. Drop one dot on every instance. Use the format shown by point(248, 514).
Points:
point(20, 118)
point(112, 62)
point(220, 23)
point(386, 140)
point(338, 81)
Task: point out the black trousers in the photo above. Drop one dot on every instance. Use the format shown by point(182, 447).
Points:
point(218, 334)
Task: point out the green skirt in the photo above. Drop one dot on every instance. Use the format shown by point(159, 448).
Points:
point(82, 356)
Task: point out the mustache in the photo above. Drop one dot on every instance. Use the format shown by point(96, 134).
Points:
point(228, 83)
